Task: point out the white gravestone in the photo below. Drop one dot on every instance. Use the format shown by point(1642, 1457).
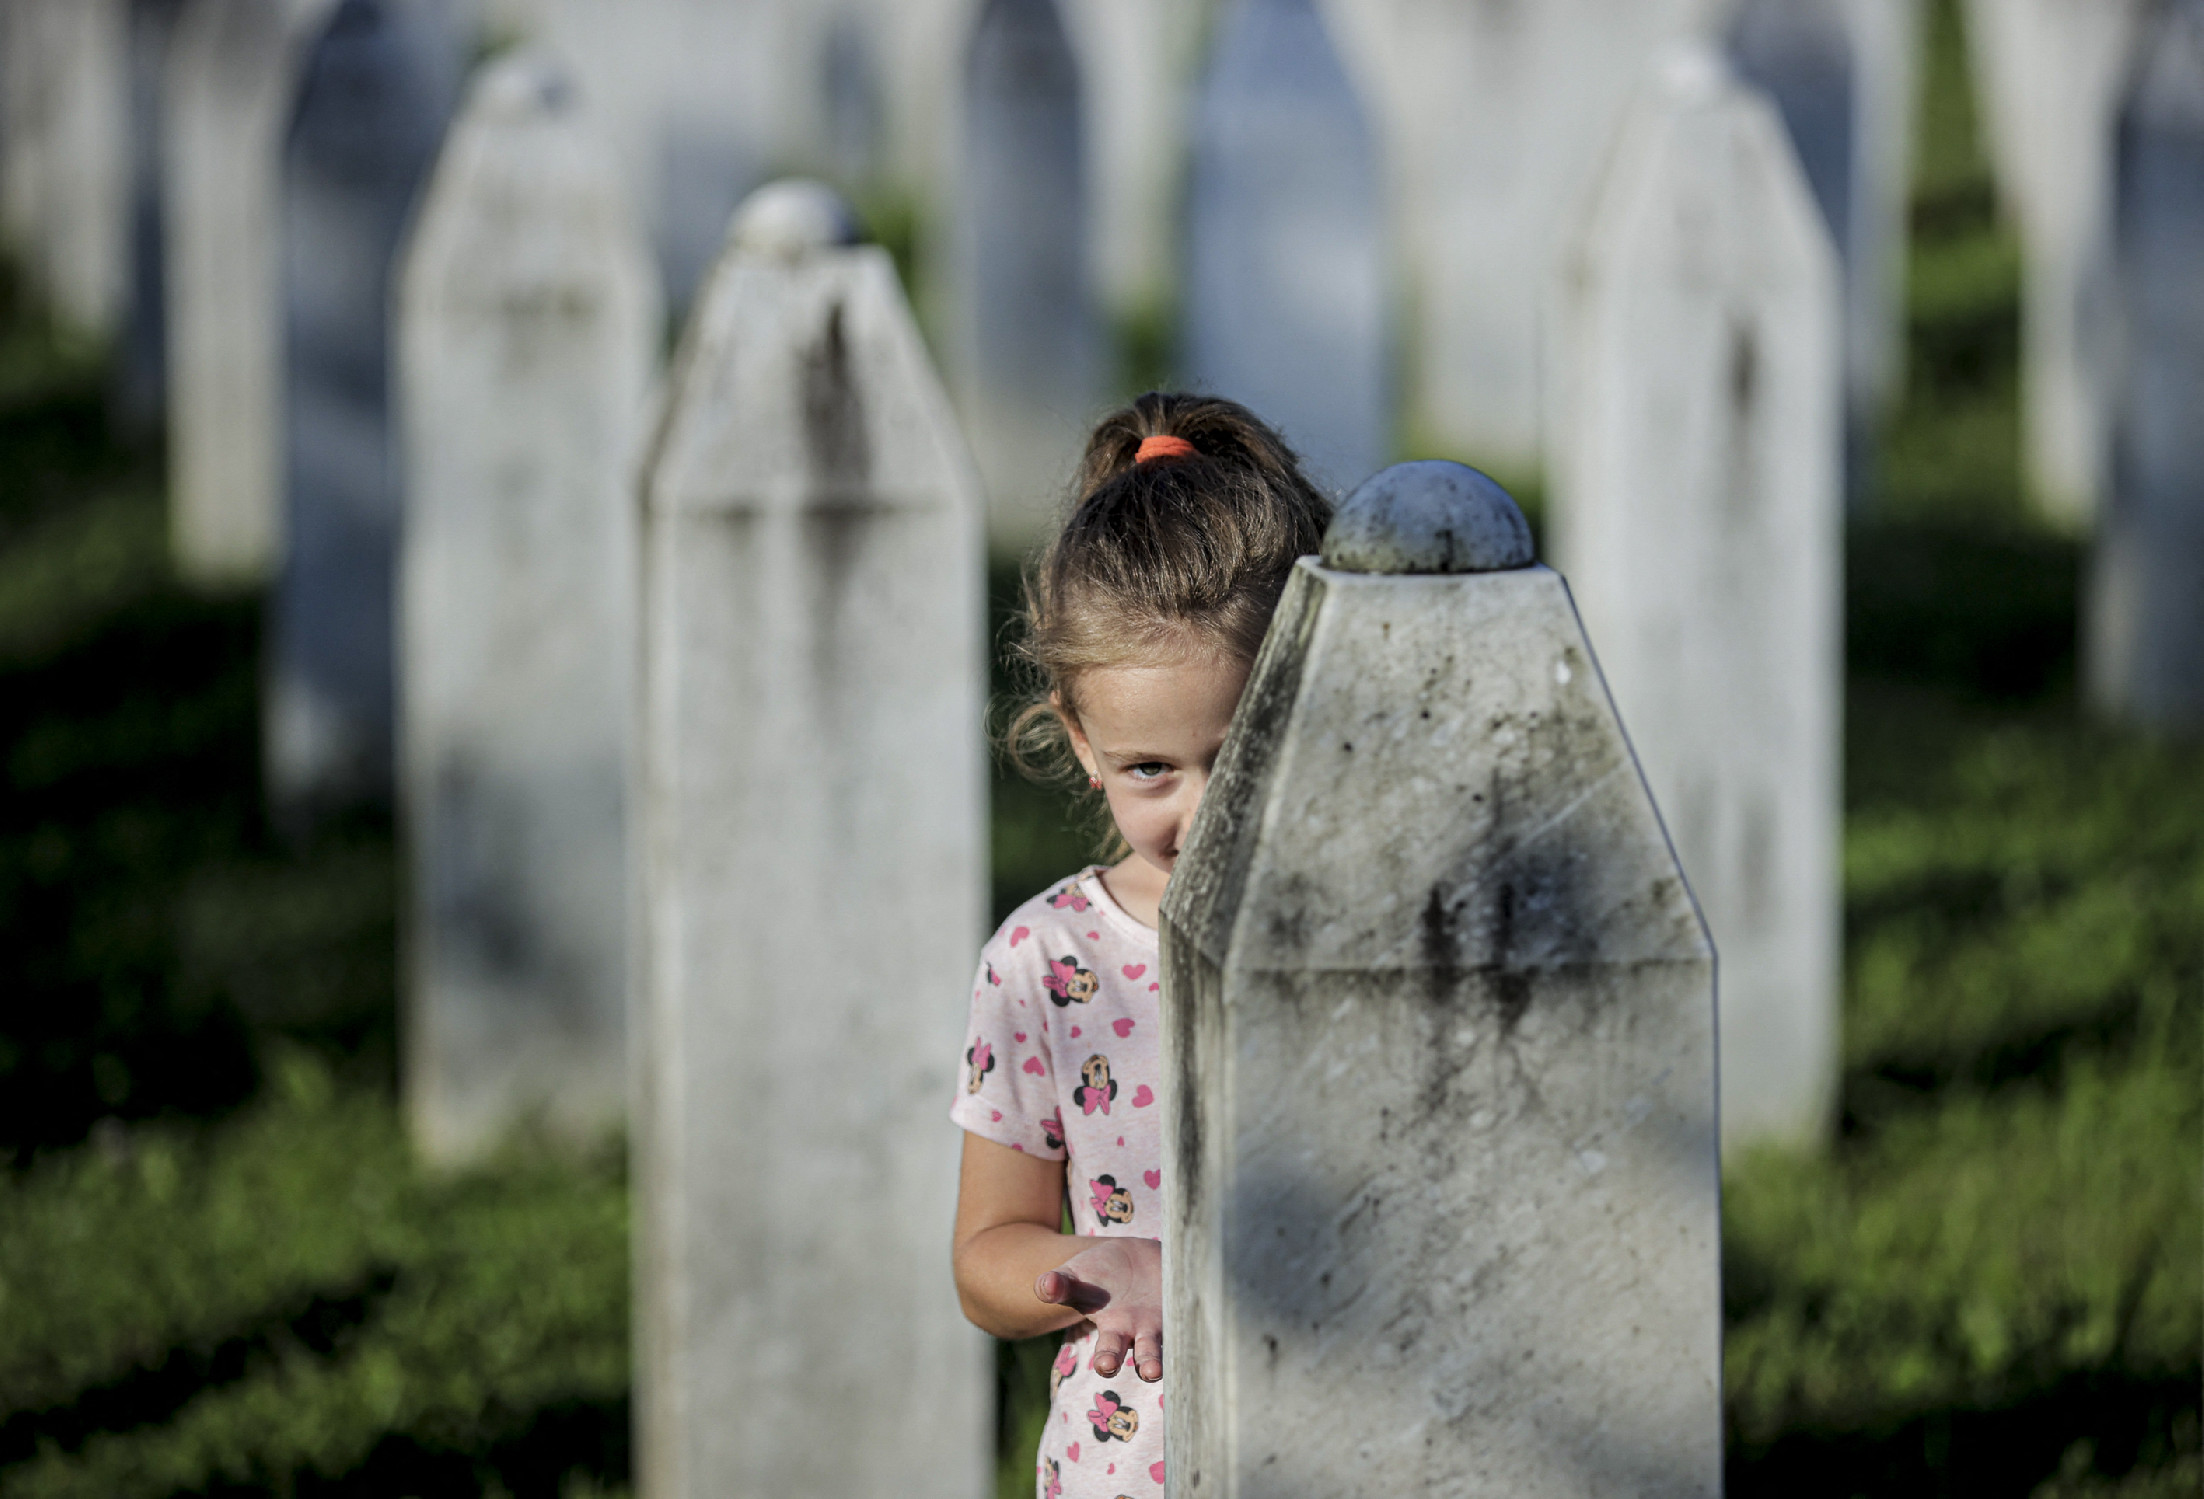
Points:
point(814, 862)
point(374, 93)
point(2050, 74)
point(65, 154)
point(527, 345)
point(1440, 1170)
point(232, 74)
point(1496, 120)
point(1028, 352)
point(1888, 39)
point(1841, 73)
point(1285, 305)
point(1137, 60)
point(1696, 474)
point(2146, 607)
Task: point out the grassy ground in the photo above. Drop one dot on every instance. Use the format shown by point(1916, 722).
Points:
point(221, 1272)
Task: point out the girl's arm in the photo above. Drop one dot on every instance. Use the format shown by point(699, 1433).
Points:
point(1018, 1277)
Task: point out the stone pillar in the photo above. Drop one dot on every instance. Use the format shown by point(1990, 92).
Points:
point(65, 154)
point(2050, 74)
point(1496, 120)
point(1440, 1169)
point(528, 336)
point(814, 863)
point(1285, 304)
point(375, 91)
point(2145, 648)
point(232, 75)
point(1696, 501)
point(1028, 353)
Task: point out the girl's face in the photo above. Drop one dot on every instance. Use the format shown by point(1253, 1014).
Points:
point(1151, 733)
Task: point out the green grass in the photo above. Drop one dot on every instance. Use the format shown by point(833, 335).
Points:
point(222, 1271)
point(287, 1304)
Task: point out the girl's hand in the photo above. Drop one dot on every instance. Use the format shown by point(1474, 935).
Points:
point(1118, 1286)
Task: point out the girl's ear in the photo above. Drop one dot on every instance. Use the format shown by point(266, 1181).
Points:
point(1082, 750)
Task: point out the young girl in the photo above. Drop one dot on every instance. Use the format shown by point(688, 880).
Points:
point(1140, 623)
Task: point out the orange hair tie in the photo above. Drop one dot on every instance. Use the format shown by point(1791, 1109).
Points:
point(1164, 447)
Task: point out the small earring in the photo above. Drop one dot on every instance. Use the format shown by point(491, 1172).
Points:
point(1094, 783)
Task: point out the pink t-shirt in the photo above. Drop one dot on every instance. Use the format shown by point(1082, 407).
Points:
point(1064, 1060)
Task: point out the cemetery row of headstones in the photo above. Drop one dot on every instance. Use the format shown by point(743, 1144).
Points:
point(794, 555)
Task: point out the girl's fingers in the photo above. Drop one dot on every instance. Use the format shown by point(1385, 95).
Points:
point(1109, 1352)
point(1059, 1287)
point(1148, 1353)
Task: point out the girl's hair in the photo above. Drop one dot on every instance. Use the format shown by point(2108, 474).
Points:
point(1160, 558)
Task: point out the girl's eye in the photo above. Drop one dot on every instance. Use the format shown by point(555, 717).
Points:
point(1148, 770)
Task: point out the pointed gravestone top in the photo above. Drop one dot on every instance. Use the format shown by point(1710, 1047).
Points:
point(1428, 517)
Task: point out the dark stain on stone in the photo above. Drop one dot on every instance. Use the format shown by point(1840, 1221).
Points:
point(1744, 371)
point(1511, 983)
point(835, 438)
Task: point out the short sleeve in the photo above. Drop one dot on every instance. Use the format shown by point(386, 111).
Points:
point(1006, 1090)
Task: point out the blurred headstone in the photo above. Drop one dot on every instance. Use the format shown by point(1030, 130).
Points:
point(65, 155)
point(1284, 305)
point(375, 91)
point(812, 765)
point(1888, 39)
point(1496, 121)
point(1028, 351)
point(1841, 73)
point(1136, 65)
point(2050, 74)
point(2146, 607)
point(141, 364)
point(697, 99)
point(1696, 473)
point(1441, 1177)
point(528, 335)
point(232, 75)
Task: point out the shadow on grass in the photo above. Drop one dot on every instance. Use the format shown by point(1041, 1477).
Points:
point(2134, 1423)
point(319, 1325)
point(524, 1454)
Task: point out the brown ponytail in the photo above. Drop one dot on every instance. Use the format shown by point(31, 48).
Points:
point(1157, 558)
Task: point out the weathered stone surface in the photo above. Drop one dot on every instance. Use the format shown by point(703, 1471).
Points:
point(1428, 517)
point(814, 862)
point(1696, 500)
point(1027, 346)
point(375, 91)
point(1496, 119)
point(2050, 74)
point(1285, 301)
point(2146, 609)
point(65, 154)
point(232, 75)
point(1440, 1169)
point(529, 326)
